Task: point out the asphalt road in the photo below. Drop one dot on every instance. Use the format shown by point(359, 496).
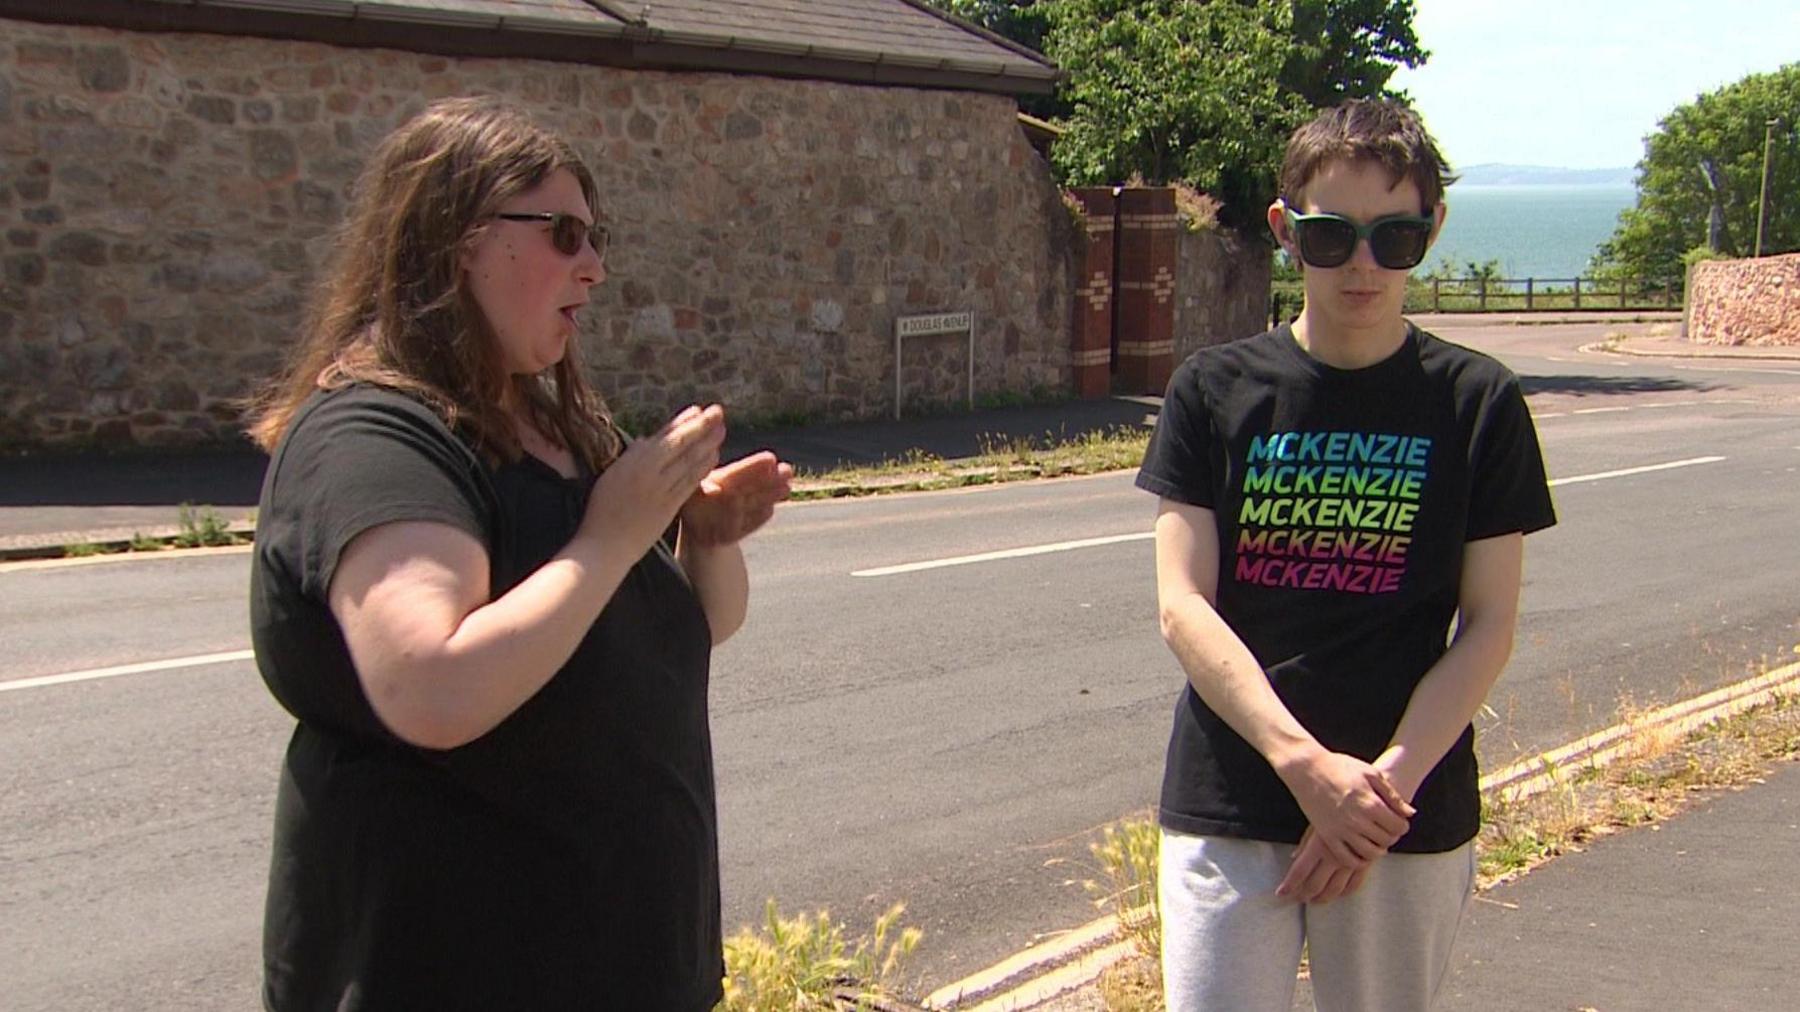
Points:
point(948, 736)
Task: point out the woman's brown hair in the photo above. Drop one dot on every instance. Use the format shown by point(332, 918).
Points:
point(394, 310)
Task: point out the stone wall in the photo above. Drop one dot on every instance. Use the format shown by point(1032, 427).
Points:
point(1748, 302)
point(1221, 290)
point(165, 200)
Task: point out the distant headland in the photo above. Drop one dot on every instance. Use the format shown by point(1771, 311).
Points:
point(1497, 174)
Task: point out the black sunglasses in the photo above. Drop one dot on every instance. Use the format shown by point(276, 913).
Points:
point(567, 231)
point(1398, 241)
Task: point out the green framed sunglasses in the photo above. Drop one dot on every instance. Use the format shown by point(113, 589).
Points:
point(1398, 241)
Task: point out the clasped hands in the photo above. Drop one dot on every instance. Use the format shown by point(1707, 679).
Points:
point(1354, 813)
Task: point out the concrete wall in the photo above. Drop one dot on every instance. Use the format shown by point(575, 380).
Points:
point(1749, 302)
point(166, 198)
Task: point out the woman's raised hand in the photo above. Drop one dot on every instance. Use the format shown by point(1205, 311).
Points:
point(636, 498)
point(734, 500)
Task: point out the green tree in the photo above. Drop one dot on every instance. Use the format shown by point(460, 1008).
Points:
point(1708, 154)
point(1349, 48)
point(1177, 91)
point(1205, 92)
point(1022, 21)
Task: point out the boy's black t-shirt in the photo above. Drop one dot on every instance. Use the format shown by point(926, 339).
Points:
point(1343, 500)
point(567, 859)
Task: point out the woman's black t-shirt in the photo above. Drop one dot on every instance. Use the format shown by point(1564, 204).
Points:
point(567, 859)
point(1342, 500)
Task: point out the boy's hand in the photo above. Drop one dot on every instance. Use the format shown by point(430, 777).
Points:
point(1315, 877)
point(1393, 762)
point(1351, 806)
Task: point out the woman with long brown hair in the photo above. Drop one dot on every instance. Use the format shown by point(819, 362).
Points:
point(490, 616)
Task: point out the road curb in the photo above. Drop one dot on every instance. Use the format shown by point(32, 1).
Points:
point(114, 543)
point(1078, 957)
point(1598, 750)
point(1019, 971)
point(1624, 347)
point(1546, 317)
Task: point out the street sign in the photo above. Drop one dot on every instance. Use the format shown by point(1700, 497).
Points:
point(926, 325)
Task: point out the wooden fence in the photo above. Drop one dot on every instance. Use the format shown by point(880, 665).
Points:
point(1510, 295)
point(1482, 295)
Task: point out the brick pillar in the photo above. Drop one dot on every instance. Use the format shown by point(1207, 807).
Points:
point(1092, 351)
point(1146, 285)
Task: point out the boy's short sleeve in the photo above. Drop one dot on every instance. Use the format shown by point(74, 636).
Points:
point(1178, 464)
point(1509, 490)
point(356, 460)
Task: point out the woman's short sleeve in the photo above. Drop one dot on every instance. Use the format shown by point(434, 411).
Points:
point(356, 459)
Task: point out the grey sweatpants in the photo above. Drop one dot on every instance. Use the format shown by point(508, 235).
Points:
point(1231, 945)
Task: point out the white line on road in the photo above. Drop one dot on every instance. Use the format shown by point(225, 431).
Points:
point(202, 660)
point(198, 660)
point(1715, 368)
point(1065, 546)
point(1008, 553)
point(1646, 469)
point(1715, 402)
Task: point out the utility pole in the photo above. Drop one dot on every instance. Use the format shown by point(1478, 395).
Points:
point(1762, 202)
point(1716, 237)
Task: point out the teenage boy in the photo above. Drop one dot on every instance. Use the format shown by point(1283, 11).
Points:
point(1333, 493)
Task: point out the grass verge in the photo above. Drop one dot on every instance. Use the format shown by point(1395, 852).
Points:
point(195, 527)
point(805, 963)
point(1657, 775)
point(1001, 459)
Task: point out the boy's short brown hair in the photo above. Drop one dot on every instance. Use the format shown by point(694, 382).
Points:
point(1373, 130)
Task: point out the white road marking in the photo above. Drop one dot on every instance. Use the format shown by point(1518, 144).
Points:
point(1644, 407)
point(1715, 368)
point(196, 661)
point(1646, 469)
point(1113, 539)
point(1007, 553)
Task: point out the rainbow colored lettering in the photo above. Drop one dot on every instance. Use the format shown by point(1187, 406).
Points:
point(1330, 510)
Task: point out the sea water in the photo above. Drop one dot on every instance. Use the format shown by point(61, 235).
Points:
point(1545, 232)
